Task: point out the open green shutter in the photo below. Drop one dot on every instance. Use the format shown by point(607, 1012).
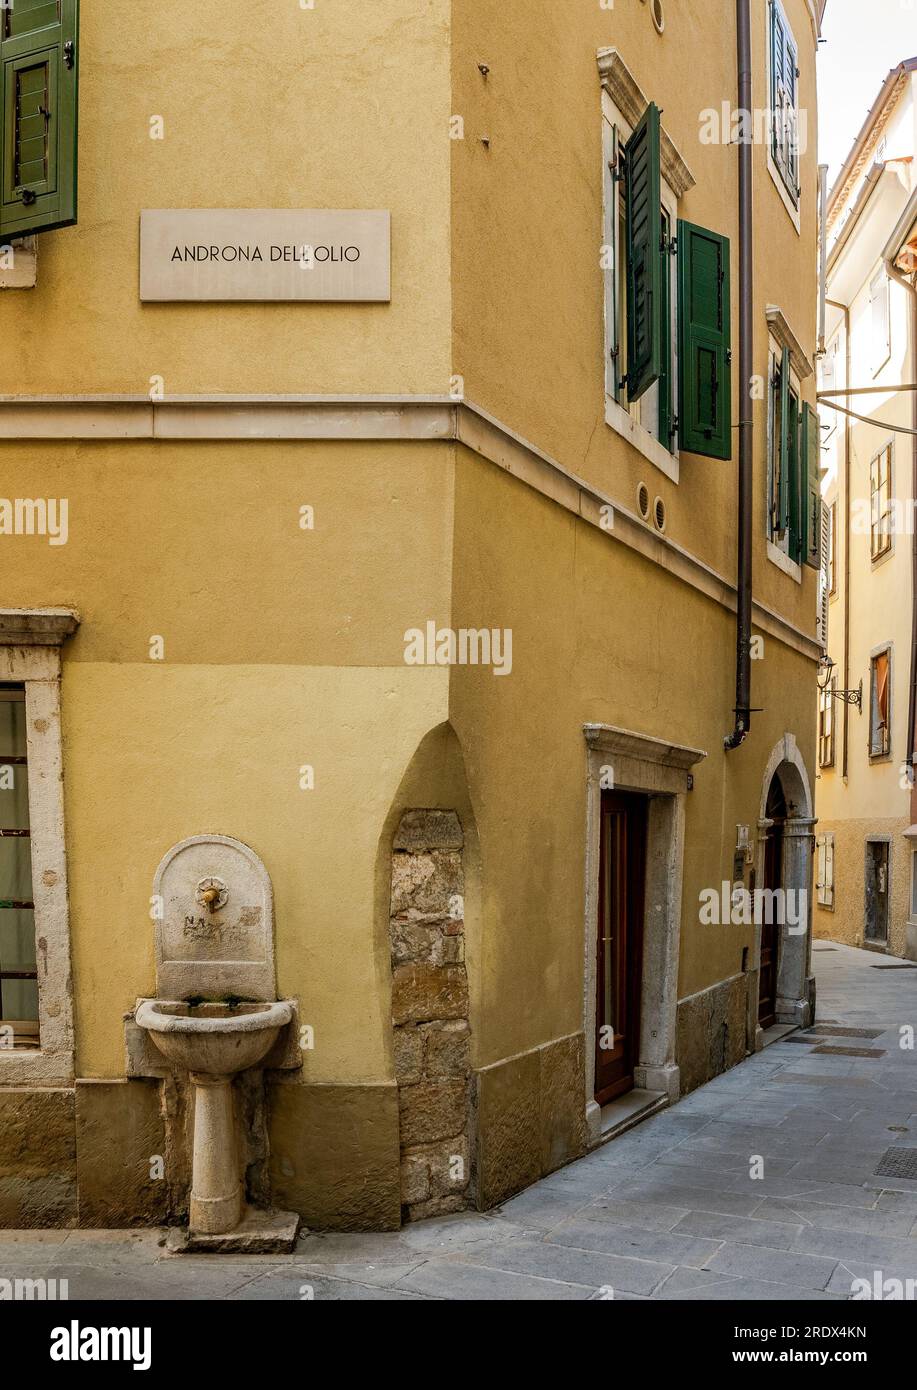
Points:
point(782, 441)
point(38, 116)
point(704, 356)
point(810, 527)
point(776, 74)
point(645, 255)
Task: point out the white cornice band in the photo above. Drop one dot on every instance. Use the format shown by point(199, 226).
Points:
point(409, 418)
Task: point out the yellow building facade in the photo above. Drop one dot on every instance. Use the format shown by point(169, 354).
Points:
point(407, 597)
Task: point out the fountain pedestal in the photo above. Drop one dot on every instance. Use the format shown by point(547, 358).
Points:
point(216, 1189)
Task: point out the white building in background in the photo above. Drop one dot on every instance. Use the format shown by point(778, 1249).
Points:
point(866, 882)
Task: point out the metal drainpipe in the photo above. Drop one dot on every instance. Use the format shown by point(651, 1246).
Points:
point(746, 367)
point(836, 304)
point(895, 274)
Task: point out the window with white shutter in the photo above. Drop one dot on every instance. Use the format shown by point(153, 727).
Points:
point(824, 872)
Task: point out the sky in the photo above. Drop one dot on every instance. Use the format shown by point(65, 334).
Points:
point(864, 39)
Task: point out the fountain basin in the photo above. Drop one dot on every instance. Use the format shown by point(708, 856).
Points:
point(215, 1040)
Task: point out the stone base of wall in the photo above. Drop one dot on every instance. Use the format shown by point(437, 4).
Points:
point(120, 1148)
point(344, 1157)
point(37, 1158)
point(531, 1118)
point(712, 1032)
point(334, 1155)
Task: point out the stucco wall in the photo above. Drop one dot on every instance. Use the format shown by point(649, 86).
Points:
point(599, 635)
point(265, 106)
point(283, 648)
point(528, 230)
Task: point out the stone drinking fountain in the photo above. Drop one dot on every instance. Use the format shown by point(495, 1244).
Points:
point(216, 1015)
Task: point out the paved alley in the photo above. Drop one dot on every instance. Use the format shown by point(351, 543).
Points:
point(668, 1211)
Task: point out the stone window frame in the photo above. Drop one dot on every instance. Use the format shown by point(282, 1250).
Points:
point(30, 643)
point(659, 770)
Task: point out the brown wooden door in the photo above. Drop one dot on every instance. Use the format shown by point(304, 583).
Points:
point(767, 978)
point(622, 866)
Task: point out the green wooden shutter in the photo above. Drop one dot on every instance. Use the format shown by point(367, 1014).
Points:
point(810, 518)
point(38, 116)
point(645, 255)
point(776, 75)
point(790, 65)
point(704, 336)
point(782, 437)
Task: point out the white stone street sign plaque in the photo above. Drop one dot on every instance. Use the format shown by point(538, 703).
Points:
point(259, 255)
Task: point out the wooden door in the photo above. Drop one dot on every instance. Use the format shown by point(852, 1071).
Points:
point(619, 955)
point(876, 926)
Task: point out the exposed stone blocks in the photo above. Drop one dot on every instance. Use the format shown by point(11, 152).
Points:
point(430, 1013)
point(712, 1032)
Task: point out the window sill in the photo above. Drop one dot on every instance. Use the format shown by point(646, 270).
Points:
point(783, 562)
point(791, 207)
point(877, 561)
point(30, 1066)
point(628, 428)
point(880, 758)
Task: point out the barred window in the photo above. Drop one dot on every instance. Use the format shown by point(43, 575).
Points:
point(18, 970)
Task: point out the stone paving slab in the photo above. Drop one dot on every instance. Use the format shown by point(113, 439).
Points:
point(671, 1210)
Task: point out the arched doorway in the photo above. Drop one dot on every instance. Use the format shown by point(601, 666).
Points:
point(783, 932)
point(773, 879)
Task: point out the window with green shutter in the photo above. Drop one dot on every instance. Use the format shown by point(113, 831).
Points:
point(647, 257)
point(810, 529)
point(784, 99)
point(640, 267)
point(704, 356)
point(794, 469)
point(38, 116)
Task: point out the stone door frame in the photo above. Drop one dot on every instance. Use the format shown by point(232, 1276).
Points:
point(659, 770)
point(794, 953)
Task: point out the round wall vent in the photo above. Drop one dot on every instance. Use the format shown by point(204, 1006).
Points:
point(658, 15)
point(659, 514)
point(643, 501)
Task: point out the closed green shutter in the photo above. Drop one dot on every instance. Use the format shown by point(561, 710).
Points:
point(646, 256)
point(777, 60)
point(38, 115)
point(783, 99)
point(783, 436)
point(810, 502)
point(791, 156)
point(704, 356)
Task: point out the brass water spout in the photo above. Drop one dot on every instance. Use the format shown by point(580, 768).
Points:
point(210, 896)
